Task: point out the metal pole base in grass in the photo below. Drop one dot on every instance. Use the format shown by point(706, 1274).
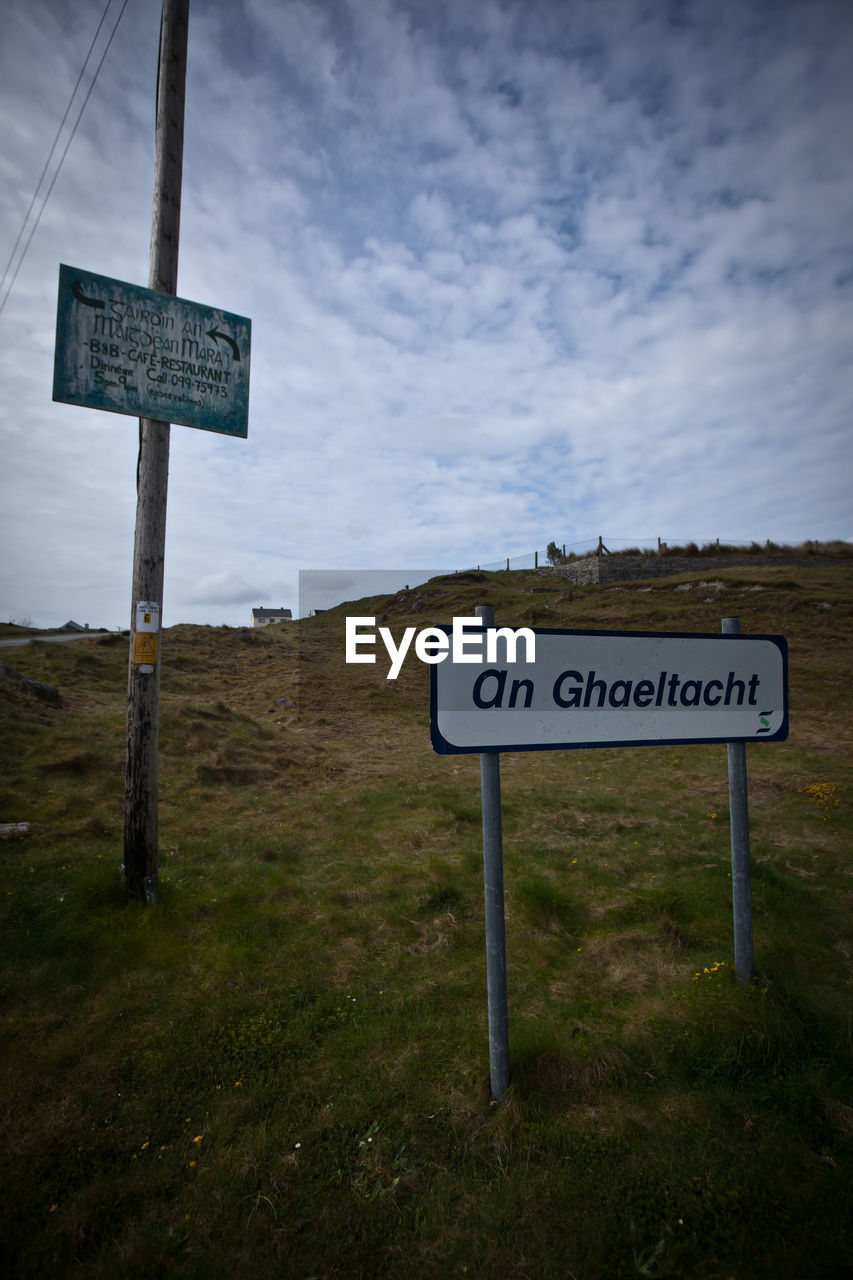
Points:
point(739, 826)
point(493, 888)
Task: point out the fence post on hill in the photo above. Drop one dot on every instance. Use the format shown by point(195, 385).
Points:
point(493, 892)
point(140, 867)
point(739, 828)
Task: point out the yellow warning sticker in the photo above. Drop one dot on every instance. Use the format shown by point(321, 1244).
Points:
point(145, 647)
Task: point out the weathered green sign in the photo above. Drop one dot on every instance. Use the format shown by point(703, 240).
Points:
point(130, 350)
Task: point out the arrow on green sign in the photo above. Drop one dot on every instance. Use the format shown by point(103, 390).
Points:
point(215, 334)
point(77, 290)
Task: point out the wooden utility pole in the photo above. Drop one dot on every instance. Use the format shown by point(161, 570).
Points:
point(140, 867)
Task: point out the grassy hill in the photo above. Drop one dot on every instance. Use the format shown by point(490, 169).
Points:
point(282, 1068)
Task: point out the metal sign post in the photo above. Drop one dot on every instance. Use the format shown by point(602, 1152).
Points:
point(739, 829)
point(493, 890)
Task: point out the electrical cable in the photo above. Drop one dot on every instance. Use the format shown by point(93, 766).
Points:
point(53, 148)
point(5, 297)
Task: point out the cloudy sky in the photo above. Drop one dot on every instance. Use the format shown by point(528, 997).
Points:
point(517, 270)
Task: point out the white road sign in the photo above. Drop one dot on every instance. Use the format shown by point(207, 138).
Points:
point(613, 688)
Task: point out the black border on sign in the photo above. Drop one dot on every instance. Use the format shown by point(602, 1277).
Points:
point(442, 747)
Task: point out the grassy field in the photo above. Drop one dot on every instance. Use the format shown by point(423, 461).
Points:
point(282, 1068)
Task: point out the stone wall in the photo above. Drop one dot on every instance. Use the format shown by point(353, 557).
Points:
point(616, 568)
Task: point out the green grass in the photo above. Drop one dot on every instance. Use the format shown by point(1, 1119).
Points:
point(282, 1068)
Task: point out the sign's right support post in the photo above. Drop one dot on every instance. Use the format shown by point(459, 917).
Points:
point(493, 889)
point(739, 827)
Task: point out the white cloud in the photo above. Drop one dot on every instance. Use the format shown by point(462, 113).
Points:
point(224, 588)
point(516, 272)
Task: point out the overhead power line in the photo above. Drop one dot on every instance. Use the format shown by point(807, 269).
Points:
point(4, 296)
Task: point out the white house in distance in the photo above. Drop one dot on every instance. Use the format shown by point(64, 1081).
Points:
point(263, 617)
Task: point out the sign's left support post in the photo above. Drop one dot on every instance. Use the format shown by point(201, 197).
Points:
point(140, 867)
point(493, 889)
